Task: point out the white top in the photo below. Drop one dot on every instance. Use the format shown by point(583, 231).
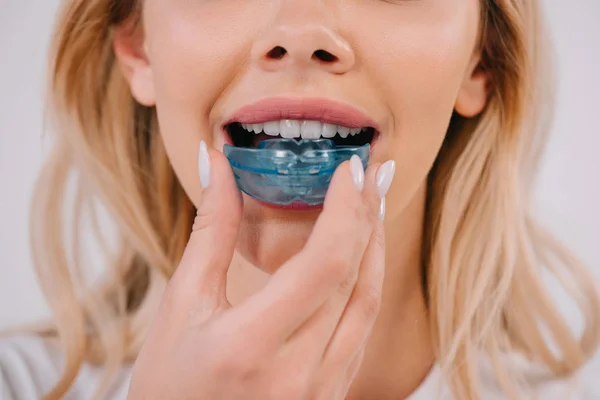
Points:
point(29, 367)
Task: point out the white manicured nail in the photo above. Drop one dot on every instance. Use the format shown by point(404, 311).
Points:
point(384, 178)
point(204, 165)
point(382, 210)
point(358, 172)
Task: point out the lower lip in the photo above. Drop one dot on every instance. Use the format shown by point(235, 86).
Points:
point(295, 206)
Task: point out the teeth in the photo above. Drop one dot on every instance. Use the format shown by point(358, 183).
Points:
point(311, 129)
point(257, 128)
point(343, 131)
point(329, 130)
point(290, 128)
point(272, 128)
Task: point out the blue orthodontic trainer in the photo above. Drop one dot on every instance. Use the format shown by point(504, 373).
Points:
point(286, 171)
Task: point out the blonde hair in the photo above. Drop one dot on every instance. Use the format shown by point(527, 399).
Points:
point(483, 255)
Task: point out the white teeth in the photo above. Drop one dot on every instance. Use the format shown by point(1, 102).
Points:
point(328, 130)
point(311, 129)
point(343, 131)
point(289, 128)
point(272, 128)
point(257, 128)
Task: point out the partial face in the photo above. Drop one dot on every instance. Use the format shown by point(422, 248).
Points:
point(398, 66)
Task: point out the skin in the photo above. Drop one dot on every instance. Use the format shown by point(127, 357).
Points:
point(407, 64)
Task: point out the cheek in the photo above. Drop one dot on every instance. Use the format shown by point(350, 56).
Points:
point(194, 56)
point(419, 59)
point(419, 63)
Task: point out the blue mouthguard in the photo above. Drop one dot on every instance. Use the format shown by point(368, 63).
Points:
point(284, 171)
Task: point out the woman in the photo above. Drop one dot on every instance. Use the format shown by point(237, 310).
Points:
point(270, 303)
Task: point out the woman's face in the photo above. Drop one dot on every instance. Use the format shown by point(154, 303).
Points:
point(401, 66)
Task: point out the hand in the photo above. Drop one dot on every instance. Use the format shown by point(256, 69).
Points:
point(303, 336)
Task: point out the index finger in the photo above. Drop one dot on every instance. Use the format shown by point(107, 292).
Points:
point(331, 256)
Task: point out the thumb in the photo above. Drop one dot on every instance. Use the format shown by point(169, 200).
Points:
point(206, 259)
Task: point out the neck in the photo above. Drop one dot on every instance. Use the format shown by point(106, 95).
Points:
point(399, 353)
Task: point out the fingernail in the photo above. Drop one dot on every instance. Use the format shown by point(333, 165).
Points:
point(204, 165)
point(382, 209)
point(384, 177)
point(358, 172)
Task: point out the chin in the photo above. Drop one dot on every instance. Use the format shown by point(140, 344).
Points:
point(270, 236)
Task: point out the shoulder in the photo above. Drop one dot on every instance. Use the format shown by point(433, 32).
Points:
point(536, 383)
point(30, 367)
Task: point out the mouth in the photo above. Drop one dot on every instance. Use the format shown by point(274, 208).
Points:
point(299, 119)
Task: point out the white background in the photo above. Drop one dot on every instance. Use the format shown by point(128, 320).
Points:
point(568, 189)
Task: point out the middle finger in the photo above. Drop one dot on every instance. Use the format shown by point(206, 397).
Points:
point(312, 338)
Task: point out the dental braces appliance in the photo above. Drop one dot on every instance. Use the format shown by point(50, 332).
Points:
point(288, 171)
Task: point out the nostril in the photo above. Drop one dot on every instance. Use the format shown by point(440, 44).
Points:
point(325, 56)
point(276, 53)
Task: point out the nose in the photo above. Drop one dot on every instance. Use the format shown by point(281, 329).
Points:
point(302, 35)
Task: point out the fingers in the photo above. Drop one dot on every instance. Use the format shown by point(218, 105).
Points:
point(311, 339)
point(203, 268)
point(363, 307)
point(346, 347)
point(330, 257)
point(347, 376)
point(354, 367)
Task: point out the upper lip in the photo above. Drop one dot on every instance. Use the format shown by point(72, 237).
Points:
point(313, 109)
